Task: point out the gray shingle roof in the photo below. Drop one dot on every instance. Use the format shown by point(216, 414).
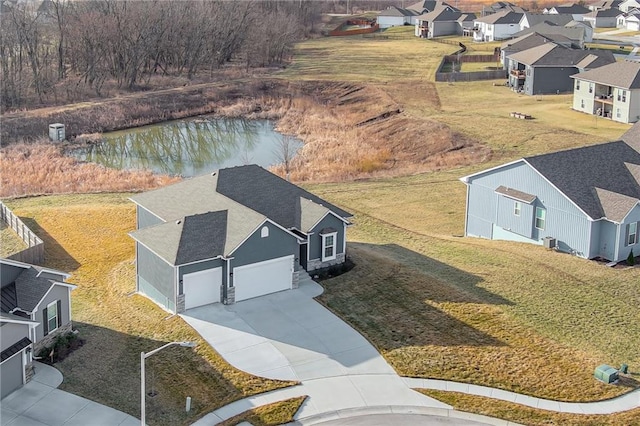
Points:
point(440, 15)
point(575, 9)
point(530, 40)
point(632, 136)
point(587, 176)
point(428, 5)
point(26, 291)
point(268, 194)
point(397, 11)
point(537, 18)
point(224, 207)
point(505, 17)
point(575, 33)
point(14, 349)
point(623, 74)
point(553, 55)
point(603, 13)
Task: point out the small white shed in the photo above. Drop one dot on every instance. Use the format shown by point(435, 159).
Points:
point(56, 132)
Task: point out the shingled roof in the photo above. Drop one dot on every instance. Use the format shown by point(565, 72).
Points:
point(554, 55)
point(600, 179)
point(556, 19)
point(222, 209)
point(28, 289)
point(504, 17)
point(623, 74)
point(397, 11)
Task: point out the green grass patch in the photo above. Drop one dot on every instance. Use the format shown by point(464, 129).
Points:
point(530, 416)
point(86, 235)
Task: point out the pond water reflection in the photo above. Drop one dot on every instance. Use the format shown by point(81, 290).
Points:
point(190, 147)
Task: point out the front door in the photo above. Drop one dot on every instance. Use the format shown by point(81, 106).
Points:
point(303, 256)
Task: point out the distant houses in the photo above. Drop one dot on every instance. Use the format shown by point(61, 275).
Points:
point(497, 26)
point(443, 22)
point(611, 91)
point(629, 20)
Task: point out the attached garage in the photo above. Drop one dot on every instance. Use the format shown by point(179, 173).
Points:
point(11, 372)
point(202, 287)
point(262, 278)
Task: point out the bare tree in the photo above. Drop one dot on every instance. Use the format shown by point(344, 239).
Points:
point(284, 151)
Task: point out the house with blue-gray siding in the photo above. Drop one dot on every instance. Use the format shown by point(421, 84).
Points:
point(232, 235)
point(35, 309)
point(584, 201)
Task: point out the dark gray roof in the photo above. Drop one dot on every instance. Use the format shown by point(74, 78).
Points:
point(203, 237)
point(604, 13)
point(530, 40)
point(14, 349)
point(623, 74)
point(515, 194)
point(605, 4)
point(536, 18)
point(268, 194)
point(505, 17)
point(553, 55)
point(575, 9)
point(441, 15)
point(581, 173)
point(575, 33)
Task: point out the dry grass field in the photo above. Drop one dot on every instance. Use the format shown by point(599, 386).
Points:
point(10, 242)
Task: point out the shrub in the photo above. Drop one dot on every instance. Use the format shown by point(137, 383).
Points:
point(631, 260)
point(62, 346)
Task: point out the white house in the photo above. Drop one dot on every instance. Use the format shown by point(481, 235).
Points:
point(629, 20)
point(602, 18)
point(603, 4)
point(574, 10)
point(530, 19)
point(611, 91)
point(628, 5)
point(497, 26)
point(395, 16)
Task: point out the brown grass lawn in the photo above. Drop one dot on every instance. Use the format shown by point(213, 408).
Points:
point(268, 415)
point(501, 314)
point(531, 416)
point(86, 235)
point(10, 242)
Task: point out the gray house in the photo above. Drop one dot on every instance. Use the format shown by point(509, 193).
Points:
point(36, 308)
point(232, 235)
point(548, 68)
point(526, 42)
point(585, 201)
point(443, 22)
point(602, 18)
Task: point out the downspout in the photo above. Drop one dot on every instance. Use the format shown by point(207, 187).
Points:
point(176, 286)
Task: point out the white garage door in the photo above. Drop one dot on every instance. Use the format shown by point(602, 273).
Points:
point(263, 277)
point(201, 288)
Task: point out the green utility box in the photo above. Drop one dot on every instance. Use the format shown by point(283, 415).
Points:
point(606, 373)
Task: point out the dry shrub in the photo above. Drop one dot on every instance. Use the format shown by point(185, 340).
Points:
point(30, 169)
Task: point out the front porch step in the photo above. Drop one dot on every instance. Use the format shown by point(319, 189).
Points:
point(304, 277)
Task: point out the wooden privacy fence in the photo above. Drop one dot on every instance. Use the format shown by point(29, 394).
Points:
point(340, 32)
point(473, 75)
point(34, 253)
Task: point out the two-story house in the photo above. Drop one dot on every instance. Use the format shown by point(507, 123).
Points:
point(497, 26)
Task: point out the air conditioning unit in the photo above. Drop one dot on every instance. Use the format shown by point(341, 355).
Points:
point(549, 242)
point(606, 373)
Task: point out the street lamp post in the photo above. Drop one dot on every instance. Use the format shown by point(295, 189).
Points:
point(143, 391)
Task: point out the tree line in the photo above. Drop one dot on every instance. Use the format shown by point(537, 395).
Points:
point(85, 44)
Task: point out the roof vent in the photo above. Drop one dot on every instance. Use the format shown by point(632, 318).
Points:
point(178, 222)
point(213, 174)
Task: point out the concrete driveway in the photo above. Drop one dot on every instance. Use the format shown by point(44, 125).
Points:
point(286, 336)
point(39, 403)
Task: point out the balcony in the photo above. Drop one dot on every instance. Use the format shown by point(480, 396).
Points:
point(519, 74)
point(604, 99)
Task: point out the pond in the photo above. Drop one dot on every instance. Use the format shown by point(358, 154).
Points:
point(192, 147)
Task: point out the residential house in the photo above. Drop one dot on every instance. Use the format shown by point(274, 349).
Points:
point(501, 6)
point(528, 41)
point(628, 5)
point(611, 91)
point(575, 10)
point(584, 201)
point(531, 19)
point(231, 235)
point(497, 26)
point(629, 20)
point(547, 69)
point(586, 27)
point(395, 16)
point(427, 6)
point(603, 4)
point(602, 18)
point(576, 32)
point(35, 309)
point(443, 22)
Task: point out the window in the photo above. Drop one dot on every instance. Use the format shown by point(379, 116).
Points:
point(51, 316)
point(578, 86)
point(624, 95)
point(517, 207)
point(540, 217)
point(590, 87)
point(264, 232)
point(329, 246)
point(633, 234)
point(618, 112)
point(582, 103)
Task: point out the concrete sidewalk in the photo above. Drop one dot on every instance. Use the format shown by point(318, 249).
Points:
point(39, 403)
point(625, 402)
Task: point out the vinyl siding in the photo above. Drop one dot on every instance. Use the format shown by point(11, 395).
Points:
point(582, 96)
point(564, 221)
point(623, 251)
point(444, 28)
point(606, 244)
point(11, 333)
point(145, 218)
point(156, 278)
point(257, 249)
point(11, 374)
point(551, 80)
point(506, 218)
point(315, 240)
point(58, 292)
point(633, 99)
